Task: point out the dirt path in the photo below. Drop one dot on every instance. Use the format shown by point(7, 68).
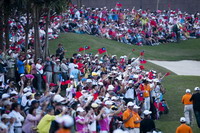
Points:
point(184, 67)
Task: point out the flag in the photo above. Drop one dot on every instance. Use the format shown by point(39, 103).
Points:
point(142, 61)
point(167, 74)
point(86, 47)
point(141, 67)
point(80, 49)
point(133, 49)
point(102, 50)
point(142, 53)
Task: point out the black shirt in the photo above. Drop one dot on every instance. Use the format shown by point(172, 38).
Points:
point(196, 101)
point(146, 125)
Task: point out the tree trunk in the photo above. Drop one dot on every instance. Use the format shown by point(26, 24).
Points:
point(1, 29)
point(46, 45)
point(6, 24)
point(37, 47)
point(27, 27)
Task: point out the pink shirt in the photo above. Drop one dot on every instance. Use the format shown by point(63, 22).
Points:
point(104, 124)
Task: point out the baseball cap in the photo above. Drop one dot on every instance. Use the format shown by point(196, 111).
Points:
point(187, 90)
point(196, 89)
point(108, 103)
point(130, 104)
point(80, 109)
point(110, 88)
point(136, 107)
point(94, 105)
point(66, 120)
point(5, 116)
point(182, 119)
point(147, 112)
point(5, 95)
point(58, 98)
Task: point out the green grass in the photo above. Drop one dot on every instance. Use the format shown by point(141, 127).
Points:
point(174, 84)
point(186, 50)
point(175, 89)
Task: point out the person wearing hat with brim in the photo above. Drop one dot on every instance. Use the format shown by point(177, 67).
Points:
point(39, 69)
point(4, 123)
point(81, 121)
point(188, 106)
point(56, 70)
point(137, 119)
point(76, 73)
point(183, 128)
point(128, 118)
point(195, 99)
point(147, 124)
point(93, 117)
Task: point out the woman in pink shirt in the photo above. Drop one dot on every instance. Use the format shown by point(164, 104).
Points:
point(31, 121)
point(81, 121)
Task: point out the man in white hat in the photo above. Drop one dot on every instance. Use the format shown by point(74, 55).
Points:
point(188, 107)
point(183, 128)
point(196, 104)
point(147, 124)
point(128, 118)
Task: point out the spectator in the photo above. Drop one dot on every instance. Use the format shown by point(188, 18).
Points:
point(147, 124)
point(183, 127)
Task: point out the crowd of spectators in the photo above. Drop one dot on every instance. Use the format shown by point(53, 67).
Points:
point(88, 93)
point(93, 91)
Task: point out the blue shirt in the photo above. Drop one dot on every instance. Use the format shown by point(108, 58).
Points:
point(20, 67)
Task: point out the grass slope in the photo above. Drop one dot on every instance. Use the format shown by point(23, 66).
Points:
point(186, 50)
point(174, 84)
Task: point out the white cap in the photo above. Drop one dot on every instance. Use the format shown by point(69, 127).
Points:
point(21, 75)
point(136, 107)
point(5, 95)
point(27, 89)
point(114, 98)
point(75, 66)
point(80, 109)
point(187, 91)
point(119, 78)
point(94, 105)
point(108, 103)
point(100, 83)
point(58, 98)
point(182, 119)
point(196, 88)
point(28, 94)
point(119, 131)
point(67, 120)
point(71, 76)
point(57, 59)
point(130, 81)
point(5, 116)
point(13, 92)
point(147, 112)
point(110, 88)
point(88, 81)
point(114, 68)
point(130, 104)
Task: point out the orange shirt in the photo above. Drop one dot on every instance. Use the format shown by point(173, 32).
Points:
point(183, 128)
point(63, 131)
point(130, 122)
point(186, 98)
point(147, 90)
point(136, 117)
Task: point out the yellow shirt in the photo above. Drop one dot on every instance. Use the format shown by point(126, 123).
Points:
point(45, 123)
point(183, 128)
point(28, 68)
point(130, 122)
point(186, 98)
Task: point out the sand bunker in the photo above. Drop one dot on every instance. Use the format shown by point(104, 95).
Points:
point(184, 67)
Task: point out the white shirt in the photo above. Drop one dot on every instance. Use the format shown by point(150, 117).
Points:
point(71, 67)
point(19, 118)
point(39, 68)
point(64, 68)
point(129, 93)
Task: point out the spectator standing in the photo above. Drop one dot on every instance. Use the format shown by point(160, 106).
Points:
point(128, 118)
point(64, 69)
point(196, 104)
point(56, 70)
point(137, 119)
point(147, 124)
point(183, 128)
point(39, 69)
point(60, 51)
point(18, 118)
point(188, 107)
point(48, 69)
